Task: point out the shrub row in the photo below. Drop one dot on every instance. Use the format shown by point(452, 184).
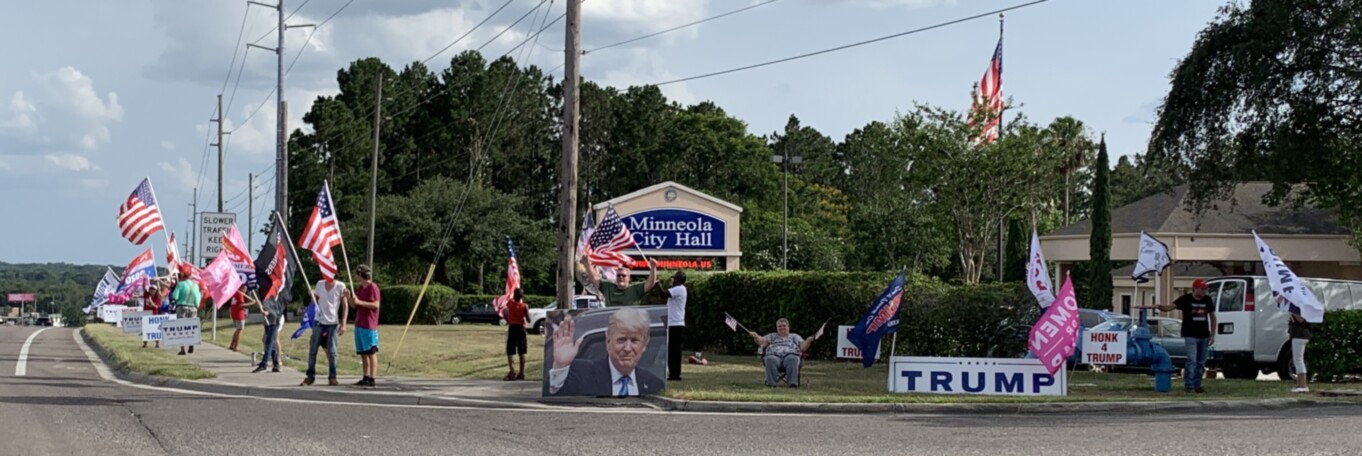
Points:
point(936, 319)
point(439, 304)
point(1335, 348)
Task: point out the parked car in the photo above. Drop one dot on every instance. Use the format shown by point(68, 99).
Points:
point(536, 317)
point(43, 321)
point(1250, 333)
point(481, 313)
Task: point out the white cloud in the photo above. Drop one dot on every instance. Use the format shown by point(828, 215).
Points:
point(167, 145)
point(907, 3)
point(65, 110)
point(181, 172)
point(94, 184)
point(4, 166)
point(645, 67)
point(71, 162)
point(645, 14)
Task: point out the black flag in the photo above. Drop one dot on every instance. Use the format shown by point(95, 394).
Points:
point(274, 267)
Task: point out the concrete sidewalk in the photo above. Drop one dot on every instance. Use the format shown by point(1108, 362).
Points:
point(234, 376)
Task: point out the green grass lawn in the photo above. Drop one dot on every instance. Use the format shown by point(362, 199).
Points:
point(741, 378)
point(475, 351)
point(126, 352)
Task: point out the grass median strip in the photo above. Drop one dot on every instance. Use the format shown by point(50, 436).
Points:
point(126, 352)
point(444, 351)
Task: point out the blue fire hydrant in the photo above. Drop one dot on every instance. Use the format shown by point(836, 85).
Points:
point(1143, 351)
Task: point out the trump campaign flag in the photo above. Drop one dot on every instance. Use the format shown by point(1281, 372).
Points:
point(1152, 260)
point(102, 290)
point(881, 318)
point(1038, 275)
point(1055, 336)
point(239, 254)
point(221, 280)
point(309, 319)
point(1292, 294)
point(512, 281)
point(139, 272)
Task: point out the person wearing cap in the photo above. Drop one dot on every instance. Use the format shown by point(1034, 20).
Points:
point(186, 297)
point(1198, 330)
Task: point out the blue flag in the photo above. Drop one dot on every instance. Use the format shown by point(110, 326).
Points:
point(309, 318)
point(881, 318)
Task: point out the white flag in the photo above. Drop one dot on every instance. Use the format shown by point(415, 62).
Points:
point(1038, 275)
point(102, 290)
point(1152, 260)
point(1289, 289)
point(730, 321)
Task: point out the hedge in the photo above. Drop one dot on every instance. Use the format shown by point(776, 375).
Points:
point(439, 304)
point(936, 319)
point(1335, 349)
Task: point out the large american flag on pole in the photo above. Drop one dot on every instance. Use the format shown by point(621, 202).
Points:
point(138, 217)
point(609, 238)
point(512, 280)
point(988, 102)
point(322, 233)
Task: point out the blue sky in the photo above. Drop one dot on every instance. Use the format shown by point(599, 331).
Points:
point(95, 95)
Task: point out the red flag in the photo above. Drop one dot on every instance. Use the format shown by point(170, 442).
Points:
point(512, 281)
point(172, 253)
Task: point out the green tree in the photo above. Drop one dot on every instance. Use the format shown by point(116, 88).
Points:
point(1070, 138)
point(1099, 248)
point(1271, 90)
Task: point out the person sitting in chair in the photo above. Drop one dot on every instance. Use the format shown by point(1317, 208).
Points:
point(783, 352)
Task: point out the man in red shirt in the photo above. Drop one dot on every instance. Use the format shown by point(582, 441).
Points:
point(367, 299)
point(240, 302)
point(516, 313)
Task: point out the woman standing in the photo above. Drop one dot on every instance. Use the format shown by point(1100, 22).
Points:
point(1299, 330)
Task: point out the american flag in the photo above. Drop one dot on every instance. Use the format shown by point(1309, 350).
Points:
point(512, 281)
point(989, 98)
point(610, 237)
point(138, 217)
point(322, 233)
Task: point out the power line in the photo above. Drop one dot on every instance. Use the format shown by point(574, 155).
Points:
point(513, 24)
point(469, 32)
point(852, 45)
point(679, 27)
point(314, 32)
point(286, 18)
point(236, 47)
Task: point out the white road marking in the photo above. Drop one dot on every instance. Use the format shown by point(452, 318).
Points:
point(108, 375)
point(21, 369)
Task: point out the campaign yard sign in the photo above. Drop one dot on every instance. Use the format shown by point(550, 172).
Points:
point(181, 332)
point(984, 376)
point(846, 349)
point(151, 326)
point(1105, 347)
point(132, 321)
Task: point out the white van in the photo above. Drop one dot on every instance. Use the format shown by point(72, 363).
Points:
point(1251, 333)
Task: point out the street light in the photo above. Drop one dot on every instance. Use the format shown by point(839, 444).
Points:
point(786, 160)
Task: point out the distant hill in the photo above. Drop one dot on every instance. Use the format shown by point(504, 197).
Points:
point(56, 286)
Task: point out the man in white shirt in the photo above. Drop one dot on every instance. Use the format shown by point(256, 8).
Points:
point(626, 339)
point(329, 296)
point(676, 324)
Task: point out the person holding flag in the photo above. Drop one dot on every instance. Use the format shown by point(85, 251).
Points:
point(332, 310)
point(186, 297)
point(1198, 319)
point(1295, 298)
point(516, 343)
point(367, 299)
point(784, 351)
point(274, 277)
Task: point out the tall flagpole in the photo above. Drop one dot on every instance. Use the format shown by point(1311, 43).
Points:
point(344, 256)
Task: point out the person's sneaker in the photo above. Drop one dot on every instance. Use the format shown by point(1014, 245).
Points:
point(332, 381)
point(520, 376)
point(362, 382)
point(307, 381)
point(191, 349)
point(258, 370)
point(1200, 391)
point(181, 353)
point(509, 376)
point(1300, 390)
point(369, 382)
point(276, 369)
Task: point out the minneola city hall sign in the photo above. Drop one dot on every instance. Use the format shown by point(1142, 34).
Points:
point(680, 227)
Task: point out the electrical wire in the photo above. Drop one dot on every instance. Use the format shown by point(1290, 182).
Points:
point(852, 45)
point(679, 27)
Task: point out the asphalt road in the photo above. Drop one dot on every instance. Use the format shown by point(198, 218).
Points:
point(63, 407)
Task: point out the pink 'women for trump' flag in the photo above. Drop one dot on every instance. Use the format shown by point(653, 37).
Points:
point(221, 279)
point(1055, 336)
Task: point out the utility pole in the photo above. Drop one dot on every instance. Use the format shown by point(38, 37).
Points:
point(567, 210)
point(250, 211)
point(194, 232)
point(786, 160)
point(281, 144)
point(373, 170)
point(219, 146)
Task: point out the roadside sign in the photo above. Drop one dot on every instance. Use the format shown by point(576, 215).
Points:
point(132, 321)
point(181, 332)
point(846, 349)
point(1105, 347)
point(212, 225)
point(151, 326)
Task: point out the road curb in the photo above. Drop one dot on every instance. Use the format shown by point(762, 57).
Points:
point(681, 405)
point(321, 394)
